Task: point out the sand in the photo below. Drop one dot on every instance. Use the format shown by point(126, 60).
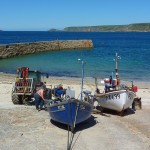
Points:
point(23, 127)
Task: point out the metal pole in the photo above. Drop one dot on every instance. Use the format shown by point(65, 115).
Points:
point(82, 79)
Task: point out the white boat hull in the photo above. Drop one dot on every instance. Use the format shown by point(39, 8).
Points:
point(116, 100)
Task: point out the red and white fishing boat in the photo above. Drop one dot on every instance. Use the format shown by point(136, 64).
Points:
point(117, 96)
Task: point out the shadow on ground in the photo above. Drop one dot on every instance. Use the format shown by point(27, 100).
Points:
point(107, 112)
point(81, 126)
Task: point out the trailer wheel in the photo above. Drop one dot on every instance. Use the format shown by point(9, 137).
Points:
point(15, 99)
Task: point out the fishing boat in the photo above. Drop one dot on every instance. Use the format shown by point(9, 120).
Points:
point(69, 110)
point(118, 100)
point(116, 96)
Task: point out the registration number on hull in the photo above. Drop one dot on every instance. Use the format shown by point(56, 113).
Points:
point(61, 107)
point(112, 96)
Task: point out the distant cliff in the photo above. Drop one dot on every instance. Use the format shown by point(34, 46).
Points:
point(53, 30)
point(139, 27)
point(18, 49)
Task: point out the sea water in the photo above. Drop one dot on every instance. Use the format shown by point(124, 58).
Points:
point(132, 47)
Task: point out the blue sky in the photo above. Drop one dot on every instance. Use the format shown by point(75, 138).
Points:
point(41, 15)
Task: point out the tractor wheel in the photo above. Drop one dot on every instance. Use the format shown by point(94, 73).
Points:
point(15, 99)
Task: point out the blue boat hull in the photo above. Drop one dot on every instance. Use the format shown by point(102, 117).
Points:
point(70, 112)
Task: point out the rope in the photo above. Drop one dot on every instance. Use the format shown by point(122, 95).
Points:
point(68, 145)
point(72, 135)
point(76, 115)
point(69, 142)
point(89, 85)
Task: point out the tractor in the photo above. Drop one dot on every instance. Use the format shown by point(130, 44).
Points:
point(26, 84)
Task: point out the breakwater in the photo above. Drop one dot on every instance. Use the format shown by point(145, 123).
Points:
point(17, 49)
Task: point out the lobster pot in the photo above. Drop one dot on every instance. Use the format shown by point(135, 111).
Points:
point(107, 80)
point(114, 83)
point(135, 88)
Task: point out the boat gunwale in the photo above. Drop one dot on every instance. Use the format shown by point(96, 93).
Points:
point(115, 91)
point(70, 101)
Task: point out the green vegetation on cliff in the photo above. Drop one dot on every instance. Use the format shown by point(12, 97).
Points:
point(139, 27)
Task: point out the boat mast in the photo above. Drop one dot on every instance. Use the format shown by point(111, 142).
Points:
point(116, 66)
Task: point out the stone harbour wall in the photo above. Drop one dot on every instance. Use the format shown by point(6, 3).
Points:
point(12, 50)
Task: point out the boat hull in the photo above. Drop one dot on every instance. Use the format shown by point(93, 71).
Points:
point(70, 112)
point(116, 100)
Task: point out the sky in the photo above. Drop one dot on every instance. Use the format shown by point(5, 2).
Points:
point(42, 15)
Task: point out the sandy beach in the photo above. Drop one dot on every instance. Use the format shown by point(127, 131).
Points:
point(23, 127)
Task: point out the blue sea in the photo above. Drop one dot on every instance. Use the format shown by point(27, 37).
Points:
point(132, 47)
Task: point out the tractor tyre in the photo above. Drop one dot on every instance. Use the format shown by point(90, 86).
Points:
point(15, 99)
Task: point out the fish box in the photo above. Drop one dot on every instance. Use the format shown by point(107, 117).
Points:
point(70, 93)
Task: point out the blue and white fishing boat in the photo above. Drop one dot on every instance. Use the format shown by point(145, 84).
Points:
point(69, 110)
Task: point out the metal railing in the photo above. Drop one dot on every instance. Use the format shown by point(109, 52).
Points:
point(23, 86)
